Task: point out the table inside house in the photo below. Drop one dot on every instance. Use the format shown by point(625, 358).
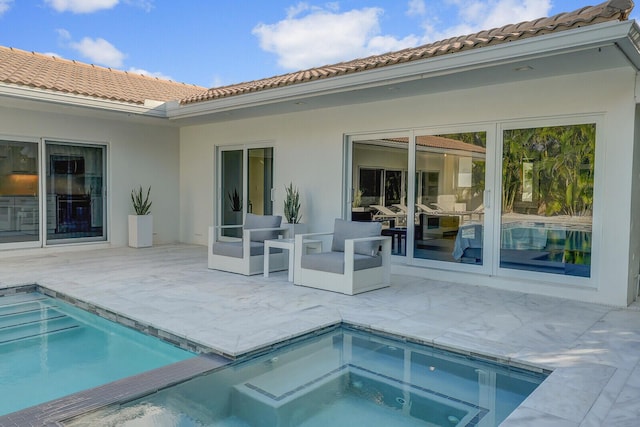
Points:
point(289, 246)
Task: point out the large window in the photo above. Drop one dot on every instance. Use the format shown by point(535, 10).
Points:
point(547, 199)
point(523, 208)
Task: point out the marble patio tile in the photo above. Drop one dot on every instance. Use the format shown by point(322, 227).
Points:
point(412, 329)
point(569, 393)
point(527, 417)
point(603, 404)
point(474, 345)
point(560, 328)
point(369, 318)
point(497, 324)
point(625, 411)
point(614, 340)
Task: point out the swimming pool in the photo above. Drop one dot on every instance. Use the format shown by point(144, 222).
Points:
point(49, 349)
point(344, 377)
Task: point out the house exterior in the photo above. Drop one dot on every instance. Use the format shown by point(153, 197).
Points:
point(508, 157)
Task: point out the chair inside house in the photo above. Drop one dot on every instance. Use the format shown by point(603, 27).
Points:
point(246, 255)
point(422, 208)
point(384, 213)
point(475, 215)
point(446, 203)
point(359, 259)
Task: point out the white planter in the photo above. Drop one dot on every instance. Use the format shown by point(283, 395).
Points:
point(140, 231)
point(295, 229)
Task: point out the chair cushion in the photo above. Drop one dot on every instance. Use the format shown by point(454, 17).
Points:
point(343, 230)
point(333, 262)
point(252, 221)
point(234, 249)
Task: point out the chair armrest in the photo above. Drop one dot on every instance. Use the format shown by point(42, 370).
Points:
point(367, 239)
point(300, 238)
point(350, 244)
point(307, 235)
point(246, 233)
point(226, 226)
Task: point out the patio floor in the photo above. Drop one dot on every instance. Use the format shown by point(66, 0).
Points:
point(594, 350)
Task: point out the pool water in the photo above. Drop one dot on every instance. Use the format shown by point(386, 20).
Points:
point(49, 349)
point(344, 377)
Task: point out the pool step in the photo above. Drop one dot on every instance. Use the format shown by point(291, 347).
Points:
point(24, 320)
point(17, 308)
point(29, 317)
point(37, 330)
point(21, 297)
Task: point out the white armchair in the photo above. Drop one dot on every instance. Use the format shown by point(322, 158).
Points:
point(246, 255)
point(359, 260)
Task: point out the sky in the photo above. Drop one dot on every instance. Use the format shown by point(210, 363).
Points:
point(214, 43)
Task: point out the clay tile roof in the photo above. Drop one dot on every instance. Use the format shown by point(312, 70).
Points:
point(51, 73)
point(441, 142)
point(608, 11)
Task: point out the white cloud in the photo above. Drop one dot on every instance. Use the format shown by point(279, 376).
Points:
point(416, 8)
point(63, 35)
point(476, 15)
point(146, 5)
point(4, 6)
point(81, 6)
point(99, 51)
point(157, 74)
point(313, 36)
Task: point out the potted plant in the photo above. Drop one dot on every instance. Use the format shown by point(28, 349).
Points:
point(357, 201)
point(236, 201)
point(141, 224)
point(292, 211)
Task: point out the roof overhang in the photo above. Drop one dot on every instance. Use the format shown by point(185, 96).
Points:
point(46, 100)
point(590, 48)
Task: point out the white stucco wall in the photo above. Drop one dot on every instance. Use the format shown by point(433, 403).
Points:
point(308, 151)
point(138, 154)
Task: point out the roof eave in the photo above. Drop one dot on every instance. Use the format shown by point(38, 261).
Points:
point(148, 109)
point(624, 34)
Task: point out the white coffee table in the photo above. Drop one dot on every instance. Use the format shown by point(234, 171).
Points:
point(288, 245)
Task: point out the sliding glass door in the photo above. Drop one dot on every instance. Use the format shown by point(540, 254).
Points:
point(75, 202)
point(441, 210)
point(51, 191)
point(245, 176)
point(19, 192)
point(379, 185)
point(449, 219)
point(433, 192)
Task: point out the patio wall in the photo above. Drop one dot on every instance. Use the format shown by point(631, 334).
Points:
point(309, 152)
point(138, 154)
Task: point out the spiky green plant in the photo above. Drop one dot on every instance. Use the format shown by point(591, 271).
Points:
point(141, 204)
point(292, 205)
point(235, 200)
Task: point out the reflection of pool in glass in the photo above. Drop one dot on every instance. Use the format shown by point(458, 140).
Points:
point(547, 248)
point(340, 378)
point(50, 349)
point(534, 246)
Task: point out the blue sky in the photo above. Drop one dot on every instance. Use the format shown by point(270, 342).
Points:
point(214, 42)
